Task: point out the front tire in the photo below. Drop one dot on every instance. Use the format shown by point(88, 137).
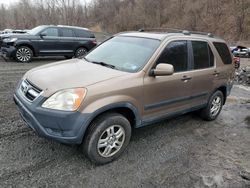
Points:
point(23, 54)
point(213, 107)
point(107, 138)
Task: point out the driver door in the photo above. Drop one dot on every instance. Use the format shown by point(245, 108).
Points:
point(49, 44)
point(165, 95)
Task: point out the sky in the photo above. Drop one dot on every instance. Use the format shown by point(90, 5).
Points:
point(7, 2)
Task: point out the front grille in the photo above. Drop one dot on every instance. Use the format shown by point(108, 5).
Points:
point(29, 90)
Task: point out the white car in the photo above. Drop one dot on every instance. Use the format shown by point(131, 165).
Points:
point(240, 51)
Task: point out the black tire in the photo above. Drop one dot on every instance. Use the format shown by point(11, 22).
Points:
point(23, 54)
point(98, 132)
point(207, 113)
point(68, 56)
point(80, 52)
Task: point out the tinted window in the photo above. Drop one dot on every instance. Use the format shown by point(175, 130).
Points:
point(82, 33)
point(224, 52)
point(176, 54)
point(52, 32)
point(67, 33)
point(203, 56)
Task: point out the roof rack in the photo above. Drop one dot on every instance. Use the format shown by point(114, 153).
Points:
point(172, 30)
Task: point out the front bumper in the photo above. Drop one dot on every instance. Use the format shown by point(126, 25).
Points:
point(64, 127)
point(8, 52)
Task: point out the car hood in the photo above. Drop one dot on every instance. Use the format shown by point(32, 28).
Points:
point(6, 35)
point(69, 74)
point(14, 35)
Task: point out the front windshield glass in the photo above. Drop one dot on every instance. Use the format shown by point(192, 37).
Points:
point(128, 54)
point(36, 30)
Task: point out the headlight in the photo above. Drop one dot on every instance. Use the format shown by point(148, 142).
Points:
point(10, 40)
point(66, 100)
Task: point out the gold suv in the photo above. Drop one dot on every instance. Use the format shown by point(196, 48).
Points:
point(131, 80)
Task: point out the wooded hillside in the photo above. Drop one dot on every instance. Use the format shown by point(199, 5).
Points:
point(227, 18)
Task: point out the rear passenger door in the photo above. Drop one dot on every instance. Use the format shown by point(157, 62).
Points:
point(68, 42)
point(203, 71)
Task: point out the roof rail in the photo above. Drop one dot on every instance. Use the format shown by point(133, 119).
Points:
point(73, 26)
point(172, 30)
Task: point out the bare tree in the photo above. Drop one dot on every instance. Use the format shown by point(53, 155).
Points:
point(228, 18)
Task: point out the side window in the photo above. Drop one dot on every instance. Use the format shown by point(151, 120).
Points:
point(224, 52)
point(51, 32)
point(203, 56)
point(176, 54)
point(67, 32)
point(82, 33)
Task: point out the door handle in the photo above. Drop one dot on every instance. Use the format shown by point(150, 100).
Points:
point(216, 73)
point(186, 78)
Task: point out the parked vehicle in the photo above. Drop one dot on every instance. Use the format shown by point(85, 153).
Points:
point(19, 31)
point(132, 80)
point(48, 41)
point(6, 31)
point(240, 51)
point(4, 35)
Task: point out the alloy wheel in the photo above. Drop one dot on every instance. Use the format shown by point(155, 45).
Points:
point(216, 106)
point(111, 141)
point(80, 52)
point(23, 54)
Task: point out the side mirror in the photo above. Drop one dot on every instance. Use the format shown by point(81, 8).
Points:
point(42, 35)
point(163, 69)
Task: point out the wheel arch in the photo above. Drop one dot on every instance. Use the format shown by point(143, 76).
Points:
point(127, 109)
point(223, 89)
point(29, 46)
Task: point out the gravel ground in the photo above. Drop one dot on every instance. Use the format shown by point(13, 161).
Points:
point(182, 152)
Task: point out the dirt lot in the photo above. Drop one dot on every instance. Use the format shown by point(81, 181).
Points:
point(182, 152)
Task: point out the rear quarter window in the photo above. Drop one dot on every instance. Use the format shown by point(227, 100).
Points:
point(223, 52)
point(81, 33)
point(67, 32)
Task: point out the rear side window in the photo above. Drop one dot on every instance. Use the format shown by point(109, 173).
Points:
point(176, 54)
point(67, 32)
point(224, 52)
point(83, 33)
point(203, 56)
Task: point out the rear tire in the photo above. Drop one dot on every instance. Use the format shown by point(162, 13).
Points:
point(107, 138)
point(23, 54)
point(80, 52)
point(213, 107)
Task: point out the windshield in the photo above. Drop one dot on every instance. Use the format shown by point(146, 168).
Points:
point(128, 54)
point(36, 30)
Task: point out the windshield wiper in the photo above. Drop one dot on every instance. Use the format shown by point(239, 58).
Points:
point(86, 59)
point(104, 64)
point(101, 63)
